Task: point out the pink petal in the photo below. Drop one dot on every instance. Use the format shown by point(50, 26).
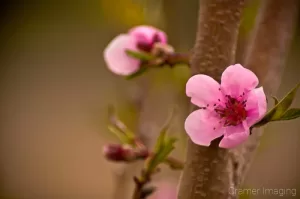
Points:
point(203, 90)
point(236, 79)
point(146, 33)
point(256, 105)
point(236, 129)
point(200, 125)
point(234, 139)
point(116, 58)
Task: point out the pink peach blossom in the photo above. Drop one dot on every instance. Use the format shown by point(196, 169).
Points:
point(140, 38)
point(228, 110)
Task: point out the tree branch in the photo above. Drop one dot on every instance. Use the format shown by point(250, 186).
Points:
point(271, 41)
point(266, 54)
point(209, 170)
point(124, 177)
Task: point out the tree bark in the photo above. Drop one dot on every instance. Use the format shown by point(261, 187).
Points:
point(271, 41)
point(212, 172)
point(266, 54)
point(209, 171)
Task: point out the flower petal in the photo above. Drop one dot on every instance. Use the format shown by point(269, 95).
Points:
point(146, 33)
point(234, 139)
point(203, 90)
point(236, 129)
point(116, 58)
point(256, 105)
point(236, 79)
point(202, 127)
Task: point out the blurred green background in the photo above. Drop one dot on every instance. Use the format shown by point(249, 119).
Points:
point(55, 89)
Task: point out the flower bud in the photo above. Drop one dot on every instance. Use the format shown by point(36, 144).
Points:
point(123, 153)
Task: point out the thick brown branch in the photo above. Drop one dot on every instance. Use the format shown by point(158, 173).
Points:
point(209, 170)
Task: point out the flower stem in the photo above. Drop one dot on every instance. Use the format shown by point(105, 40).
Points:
point(140, 184)
point(174, 163)
point(119, 153)
point(178, 58)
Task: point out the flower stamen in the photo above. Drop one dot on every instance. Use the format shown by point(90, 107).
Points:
point(234, 111)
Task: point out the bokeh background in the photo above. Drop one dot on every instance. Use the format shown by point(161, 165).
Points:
point(55, 90)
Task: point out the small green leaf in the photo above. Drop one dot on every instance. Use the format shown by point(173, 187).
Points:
point(290, 114)
point(163, 147)
point(142, 70)
point(161, 139)
point(285, 103)
point(275, 100)
point(167, 149)
point(139, 55)
point(122, 137)
point(163, 153)
point(118, 127)
point(280, 108)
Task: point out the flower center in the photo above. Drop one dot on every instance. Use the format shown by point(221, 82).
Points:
point(147, 46)
point(234, 111)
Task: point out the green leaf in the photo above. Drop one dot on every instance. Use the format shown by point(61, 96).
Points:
point(166, 149)
point(161, 139)
point(275, 100)
point(122, 137)
point(290, 114)
point(139, 55)
point(142, 70)
point(162, 154)
point(117, 127)
point(163, 147)
point(285, 103)
point(280, 108)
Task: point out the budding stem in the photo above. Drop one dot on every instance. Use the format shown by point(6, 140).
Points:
point(178, 58)
point(140, 183)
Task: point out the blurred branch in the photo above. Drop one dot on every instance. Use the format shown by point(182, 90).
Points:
point(126, 154)
point(271, 40)
point(132, 148)
point(209, 171)
point(266, 55)
point(124, 178)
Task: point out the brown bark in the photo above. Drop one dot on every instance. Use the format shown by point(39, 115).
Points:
point(271, 40)
point(210, 171)
point(266, 54)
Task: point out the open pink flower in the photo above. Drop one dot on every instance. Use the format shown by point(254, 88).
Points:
point(140, 38)
point(228, 110)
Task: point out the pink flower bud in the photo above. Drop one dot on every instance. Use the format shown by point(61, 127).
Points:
point(140, 38)
point(120, 153)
